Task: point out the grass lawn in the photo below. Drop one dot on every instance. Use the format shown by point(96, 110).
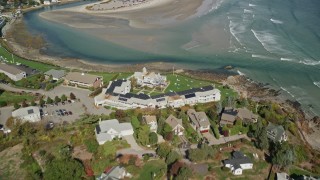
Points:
point(33, 64)
point(181, 83)
point(151, 168)
point(11, 98)
point(124, 75)
point(298, 171)
point(111, 76)
point(225, 92)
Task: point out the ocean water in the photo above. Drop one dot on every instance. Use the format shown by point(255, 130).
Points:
point(275, 42)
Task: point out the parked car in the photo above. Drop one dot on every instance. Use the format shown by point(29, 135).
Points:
point(70, 113)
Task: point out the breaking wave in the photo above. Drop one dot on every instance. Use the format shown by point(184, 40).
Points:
point(309, 62)
point(317, 84)
point(287, 59)
point(240, 73)
point(252, 5)
point(284, 89)
point(276, 21)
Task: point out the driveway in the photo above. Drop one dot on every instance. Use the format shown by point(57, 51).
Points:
point(5, 113)
point(134, 149)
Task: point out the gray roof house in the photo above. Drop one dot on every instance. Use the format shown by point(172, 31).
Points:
point(230, 115)
point(12, 72)
point(109, 129)
point(115, 173)
point(151, 121)
point(238, 162)
point(199, 121)
point(56, 74)
point(176, 125)
point(276, 133)
point(31, 114)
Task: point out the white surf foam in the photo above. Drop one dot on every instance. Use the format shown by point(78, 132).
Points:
point(276, 21)
point(309, 62)
point(287, 59)
point(260, 56)
point(284, 89)
point(240, 73)
point(247, 11)
point(317, 84)
point(237, 28)
point(269, 42)
point(252, 5)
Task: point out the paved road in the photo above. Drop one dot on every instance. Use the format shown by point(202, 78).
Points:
point(135, 148)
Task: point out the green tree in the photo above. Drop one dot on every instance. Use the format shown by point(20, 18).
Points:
point(172, 157)
point(92, 145)
point(283, 154)
point(163, 149)
point(153, 138)
point(33, 103)
point(135, 122)
point(262, 140)
point(57, 99)
point(184, 173)
point(24, 104)
point(63, 97)
point(16, 105)
point(49, 100)
point(63, 169)
point(42, 102)
point(196, 154)
point(142, 135)
point(3, 103)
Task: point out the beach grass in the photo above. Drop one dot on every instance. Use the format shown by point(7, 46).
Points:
point(33, 64)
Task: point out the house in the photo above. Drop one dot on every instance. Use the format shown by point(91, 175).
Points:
point(12, 72)
point(230, 115)
point(149, 79)
point(151, 121)
point(46, 2)
point(247, 116)
point(118, 95)
point(282, 176)
point(31, 114)
point(199, 121)
point(84, 80)
point(238, 163)
point(109, 129)
point(276, 133)
point(176, 125)
point(56, 74)
point(114, 173)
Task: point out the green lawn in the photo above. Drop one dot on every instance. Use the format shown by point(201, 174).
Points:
point(33, 64)
point(11, 98)
point(225, 92)
point(153, 168)
point(181, 83)
point(298, 171)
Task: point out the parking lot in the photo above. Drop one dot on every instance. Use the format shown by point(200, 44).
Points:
point(62, 112)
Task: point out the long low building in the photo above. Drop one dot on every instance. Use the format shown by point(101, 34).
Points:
point(84, 80)
point(123, 99)
point(12, 72)
point(31, 114)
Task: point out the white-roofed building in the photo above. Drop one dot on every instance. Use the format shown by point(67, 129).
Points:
point(150, 79)
point(31, 114)
point(12, 72)
point(109, 129)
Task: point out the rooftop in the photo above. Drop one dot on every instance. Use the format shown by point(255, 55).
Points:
point(26, 111)
point(199, 118)
point(173, 121)
point(277, 130)
point(10, 69)
point(55, 73)
point(149, 119)
point(82, 77)
point(237, 158)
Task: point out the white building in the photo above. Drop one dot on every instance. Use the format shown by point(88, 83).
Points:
point(149, 79)
point(176, 125)
point(151, 121)
point(12, 72)
point(115, 173)
point(46, 2)
point(118, 95)
point(109, 129)
point(83, 80)
point(238, 163)
point(276, 133)
point(31, 114)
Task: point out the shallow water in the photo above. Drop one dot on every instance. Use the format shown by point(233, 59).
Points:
point(274, 41)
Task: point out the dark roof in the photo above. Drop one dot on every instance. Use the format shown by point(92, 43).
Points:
point(30, 111)
point(98, 129)
point(237, 159)
point(230, 111)
point(190, 95)
point(138, 96)
point(113, 85)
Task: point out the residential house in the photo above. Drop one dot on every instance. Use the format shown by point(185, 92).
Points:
point(118, 95)
point(55, 74)
point(276, 133)
point(149, 79)
point(199, 121)
point(114, 173)
point(84, 80)
point(230, 115)
point(282, 176)
point(46, 2)
point(151, 121)
point(109, 129)
point(31, 114)
point(12, 72)
point(176, 125)
point(238, 163)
